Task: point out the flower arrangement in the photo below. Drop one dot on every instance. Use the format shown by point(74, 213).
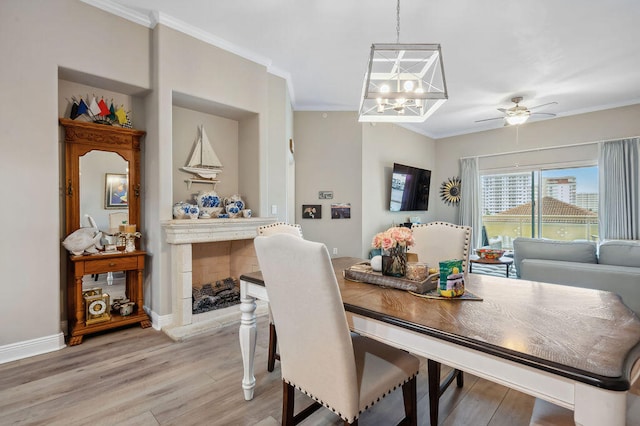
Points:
point(398, 236)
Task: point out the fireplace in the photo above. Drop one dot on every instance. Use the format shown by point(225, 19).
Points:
point(205, 251)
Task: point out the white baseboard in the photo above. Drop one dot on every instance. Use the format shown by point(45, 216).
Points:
point(28, 348)
point(158, 321)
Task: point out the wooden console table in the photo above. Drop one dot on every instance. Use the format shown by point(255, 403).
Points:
point(132, 263)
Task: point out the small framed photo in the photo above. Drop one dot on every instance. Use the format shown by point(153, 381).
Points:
point(311, 211)
point(341, 211)
point(116, 187)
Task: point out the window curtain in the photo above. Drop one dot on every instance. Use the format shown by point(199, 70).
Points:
point(619, 183)
point(470, 199)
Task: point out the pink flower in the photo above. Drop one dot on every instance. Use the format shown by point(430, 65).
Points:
point(392, 237)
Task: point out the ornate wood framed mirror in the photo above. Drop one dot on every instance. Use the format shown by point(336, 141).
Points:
point(102, 174)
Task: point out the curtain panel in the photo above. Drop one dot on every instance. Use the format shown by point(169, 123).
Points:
point(470, 211)
point(619, 183)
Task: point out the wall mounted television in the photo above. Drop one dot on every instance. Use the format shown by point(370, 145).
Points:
point(409, 188)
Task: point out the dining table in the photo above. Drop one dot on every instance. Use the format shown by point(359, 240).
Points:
point(571, 346)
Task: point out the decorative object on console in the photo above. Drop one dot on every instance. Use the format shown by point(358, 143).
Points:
point(84, 240)
point(450, 191)
point(394, 242)
point(404, 82)
point(97, 306)
point(130, 242)
point(203, 162)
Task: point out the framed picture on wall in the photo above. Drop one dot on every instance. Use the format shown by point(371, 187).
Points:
point(115, 191)
point(311, 211)
point(341, 211)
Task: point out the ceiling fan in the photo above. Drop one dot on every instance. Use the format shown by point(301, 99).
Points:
point(518, 114)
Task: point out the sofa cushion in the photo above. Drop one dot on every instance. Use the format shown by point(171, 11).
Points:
point(570, 251)
point(620, 253)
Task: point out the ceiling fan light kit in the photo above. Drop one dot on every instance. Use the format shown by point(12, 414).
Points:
point(517, 114)
point(403, 82)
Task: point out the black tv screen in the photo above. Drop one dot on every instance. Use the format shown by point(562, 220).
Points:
point(409, 188)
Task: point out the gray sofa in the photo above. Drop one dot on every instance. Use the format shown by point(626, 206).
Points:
point(613, 266)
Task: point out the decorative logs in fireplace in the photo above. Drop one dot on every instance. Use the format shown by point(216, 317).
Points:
point(216, 295)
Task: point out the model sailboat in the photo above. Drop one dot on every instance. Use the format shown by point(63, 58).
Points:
point(203, 162)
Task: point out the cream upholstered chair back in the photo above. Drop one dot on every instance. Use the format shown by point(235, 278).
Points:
point(439, 241)
point(318, 354)
point(280, 228)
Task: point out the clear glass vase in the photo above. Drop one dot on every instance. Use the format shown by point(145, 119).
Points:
point(394, 261)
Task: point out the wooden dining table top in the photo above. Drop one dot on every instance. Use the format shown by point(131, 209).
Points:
point(584, 334)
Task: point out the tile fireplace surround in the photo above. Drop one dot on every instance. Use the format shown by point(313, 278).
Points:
point(181, 235)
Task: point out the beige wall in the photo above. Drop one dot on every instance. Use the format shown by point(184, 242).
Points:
point(36, 38)
point(328, 157)
point(577, 129)
point(334, 152)
point(384, 144)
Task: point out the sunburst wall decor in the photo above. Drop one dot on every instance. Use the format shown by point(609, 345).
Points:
point(450, 191)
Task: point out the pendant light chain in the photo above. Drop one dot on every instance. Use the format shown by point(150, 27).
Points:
point(398, 23)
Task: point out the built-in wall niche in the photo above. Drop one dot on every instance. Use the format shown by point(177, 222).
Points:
point(234, 136)
point(73, 83)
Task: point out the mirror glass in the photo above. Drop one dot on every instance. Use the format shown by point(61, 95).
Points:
point(103, 196)
point(103, 189)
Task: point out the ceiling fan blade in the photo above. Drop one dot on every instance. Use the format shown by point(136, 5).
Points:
point(543, 113)
point(540, 106)
point(489, 119)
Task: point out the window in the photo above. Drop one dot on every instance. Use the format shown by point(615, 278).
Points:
point(511, 201)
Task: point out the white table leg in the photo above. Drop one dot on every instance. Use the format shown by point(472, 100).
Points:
point(595, 406)
point(248, 335)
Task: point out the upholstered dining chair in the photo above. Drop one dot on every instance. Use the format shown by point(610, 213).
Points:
point(434, 243)
point(266, 230)
point(319, 356)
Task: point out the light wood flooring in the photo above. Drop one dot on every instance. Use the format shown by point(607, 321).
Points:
point(137, 376)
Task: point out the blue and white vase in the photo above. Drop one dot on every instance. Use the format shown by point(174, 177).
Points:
point(181, 210)
point(194, 211)
point(232, 210)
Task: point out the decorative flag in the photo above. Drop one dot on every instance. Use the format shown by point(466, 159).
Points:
point(74, 110)
point(128, 124)
point(112, 112)
point(121, 115)
point(104, 110)
point(82, 107)
point(94, 108)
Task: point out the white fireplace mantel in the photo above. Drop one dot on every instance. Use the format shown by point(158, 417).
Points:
point(191, 231)
point(181, 234)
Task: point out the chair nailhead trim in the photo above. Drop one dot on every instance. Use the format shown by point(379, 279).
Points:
point(360, 411)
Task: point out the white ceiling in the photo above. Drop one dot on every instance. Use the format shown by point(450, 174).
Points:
point(583, 54)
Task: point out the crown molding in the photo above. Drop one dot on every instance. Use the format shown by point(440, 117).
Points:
point(154, 18)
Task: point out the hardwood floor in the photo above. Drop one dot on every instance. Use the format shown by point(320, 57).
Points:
point(137, 376)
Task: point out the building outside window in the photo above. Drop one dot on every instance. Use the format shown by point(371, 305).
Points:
point(568, 197)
